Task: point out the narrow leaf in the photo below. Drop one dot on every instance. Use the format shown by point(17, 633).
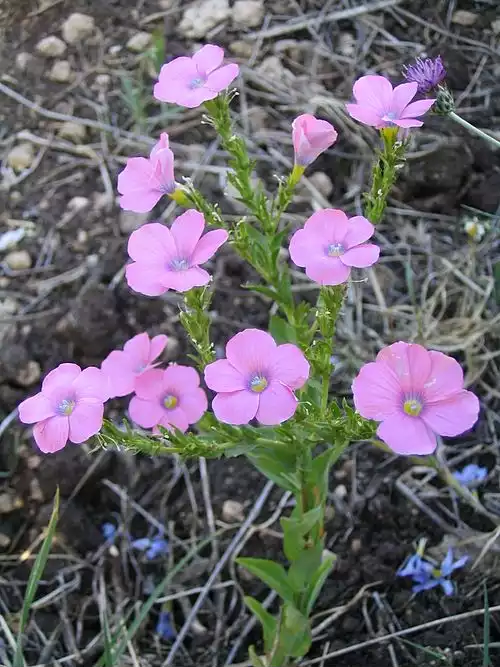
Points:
point(317, 581)
point(271, 573)
point(267, 620)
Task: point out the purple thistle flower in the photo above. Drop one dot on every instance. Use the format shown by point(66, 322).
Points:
point(427, 74)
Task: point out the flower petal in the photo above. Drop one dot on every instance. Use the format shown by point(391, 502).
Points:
point(174, 79)
point(208, 58)
point(85, 421)
point(359, 230)
point(376, 392)
point(328, 271)
point(289, 366)
point(305, 247)
point(222, 376)
point(410, 362)
point(140, 202)
point(156, 347)
point(454, 415)
point(145, 413)
point(182, 281)
point(186, 230)
point(237, 407)
point(51, 434)
point(373, 91)
point(174, 417)
point(251, 351)
point(177, 377)
point(277, 404)
point(35, 409)
point(222, 78)
point(446, 377)
point(91, 383)
point(208, 245)
point(408, 122)
point(361, 256)
point(417, 108)
point(329, 225)
point(193, 404)
point(60, 378)
point(152, 243)
point(149, 385)
point(144, 279)
point(119, 373)
point(136, 176)
point(365, 115)
point(402, 95)
point(407, 435)
point(137, 350)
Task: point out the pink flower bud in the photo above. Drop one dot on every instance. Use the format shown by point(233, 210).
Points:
point(311, 137)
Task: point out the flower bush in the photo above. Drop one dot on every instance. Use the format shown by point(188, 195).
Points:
point(270, 397)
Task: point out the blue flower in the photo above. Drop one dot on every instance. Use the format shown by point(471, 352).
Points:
point(164, 627)
point(154, 547)
point(426, 575)
point(108, 530)
point(471, 475)
point(427, 73)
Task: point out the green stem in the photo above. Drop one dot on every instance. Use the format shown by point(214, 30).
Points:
point(473, 129)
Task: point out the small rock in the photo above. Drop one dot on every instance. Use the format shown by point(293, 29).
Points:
point(77, 27)
point(21, 156)
point(139, 42)
point(18, 260)
point(30, 374)
point(11, 238)
point(201, 17)
point(115, 49)
point(232, 511)
point(8, 306)
point(60, 72)
point(463, 17)
point(248, 13)
point(4, 541)
point(103, 80)
point(347, 44)
point(77, 204)
point(130, 221)
point(33, 461)
point(322, 182)
point(51, 47)
point(23, 60)
point(167, 4)
point(9, 503)
point(36, 491)
point(241, 48)
point(340, 491)
point(356, 545)
point(495, 26)
point(73, 132)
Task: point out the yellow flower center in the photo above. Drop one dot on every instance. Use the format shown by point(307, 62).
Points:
point(170, 402)
point(412, 407)
point(258, 384)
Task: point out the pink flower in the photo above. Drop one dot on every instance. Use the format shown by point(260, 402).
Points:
point(377, 104)
point(144, 181)
point(169, 258)
point(123, 367)
point(170, 397)
point(415, 393)
point(191, 81)
point(69, 407)
point(311, 137)
point(331, 243)
point(256, 379)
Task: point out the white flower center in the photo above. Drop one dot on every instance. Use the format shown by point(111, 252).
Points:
point(335, 250)
point(197, 83)
point(66, 407)
point(179, 264)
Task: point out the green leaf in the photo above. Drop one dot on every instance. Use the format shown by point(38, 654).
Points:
point(294, 529)
point(267, 620)
point(295, 632)
point(317, 581)
point(321, 467)
point(34, 580)
point(261, 289)
point(281, 330)
point(304, 567)
point(271, 573)
point(254, 658)
point(275, 468)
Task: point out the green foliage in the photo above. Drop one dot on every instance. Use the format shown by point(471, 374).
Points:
point(195, 318)
point(34, 581)
point(272, 574)
point(267, 620)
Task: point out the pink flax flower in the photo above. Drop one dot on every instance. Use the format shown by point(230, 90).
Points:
point(170, 397)
point(144, 181)
point(257, 379)
point(123, 367)
point(311, 137)
point(415, 394)
point(330, 244)
point(70, 406)
point(379, 105)
point(189, 82)
point(169, 258)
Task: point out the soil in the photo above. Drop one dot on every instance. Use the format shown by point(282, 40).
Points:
point(73, 305)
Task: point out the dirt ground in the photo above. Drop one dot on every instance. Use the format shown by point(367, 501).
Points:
point(64, 298)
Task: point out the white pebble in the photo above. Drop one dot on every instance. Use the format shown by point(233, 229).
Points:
point(77, 27)
point(51, 47)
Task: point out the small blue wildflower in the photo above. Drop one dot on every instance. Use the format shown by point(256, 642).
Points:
point(426, 575)
point(427, 74)
point(164, 627)
point(108, 530)
point(154, 547)
point(471, 475)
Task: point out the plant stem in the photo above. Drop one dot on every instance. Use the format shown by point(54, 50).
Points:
point(473, 129)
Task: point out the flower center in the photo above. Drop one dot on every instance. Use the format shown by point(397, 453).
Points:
point(412, 407)
point(197, 83)
point(389, 117)
point(258, 383)
point(335, 250)
point(167, 188)
point(179, 264)
point(66, 407)
point(170, 402)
